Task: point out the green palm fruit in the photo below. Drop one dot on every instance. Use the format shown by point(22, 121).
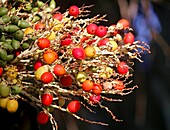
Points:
point(1, 28)
point(15, 44)
point(7, 46)
point(52, 4)
point(3, 54)
point(3, 11)
point(40, 4)
point(14, 20)
point(35, 18)
point(18, 35)
point(28, 7)
point(2, 63)
point(5, 19)
point(16, 89)
point(4, 89)
point(2, 37)
point(23, 24)
point(11, 28)
point(10, 57)
point(35, 9)
point(25, 45)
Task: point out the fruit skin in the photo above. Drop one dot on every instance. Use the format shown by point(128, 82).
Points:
point(129, 38)
point(101, 31)
point(87, 85)
point(78, 53)
point(3, 11)
point(66, 80)
point(59, 70)
point(40, 71)
point(46, 99)
point(39, 26)
point(97, 88)
point(91, 28)
point(47, 77)
point(90, 51)
point(122, 68)
point(124, 22)
point(50, 56)
point(23, 24)
point(95, 98)
point(74, 10)
point(74, 106)
point(3, 102)
point(81, 76)
point(42, 118)
point(103, 42)
point(118, 85)
point(43, 43)
point(12, 105)
point(14, 20)
point(38, 64)
point(58, 16)
point(4, 90)
point(1, 71)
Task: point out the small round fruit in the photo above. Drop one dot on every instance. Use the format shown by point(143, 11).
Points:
point(90, 51)
point(114, 45)
point(124, 23)
point(47, 77)
point(3, 102)
point(42, 118)
point(101, 31)
point(38, 64)
point(12, 105)
point(118, 85)
point(59, 70)
point(87, 85)
point(122, 68)
point(40, 71)
point(3, 11)
point(50, 56)
point(95, 98)
point(4, 91)
point(28, 30)
point(58, 16)
point(1, 71)
point(74, 10)
point(43, 43)
point(97, 88)
point(46, 99)
point(78, 53)
point(74, 106)
point(129, 38)
point(39, 26)
point(103, 42)
point(66, 80)
point(91, 28)
point(81, 76)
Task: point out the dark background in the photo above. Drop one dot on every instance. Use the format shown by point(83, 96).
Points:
point(147, 108)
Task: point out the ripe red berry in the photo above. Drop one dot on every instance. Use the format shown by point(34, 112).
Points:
point(101, 31)
point(46, 99)
point(42, 118)
point(118, 85)
point(74, 10)
point(66, 80)
point(59, 70)
point(103, 42)
point(129, 38)
point(47, 77)
point(97, 88)
point(95, 98)
point(125, 23)
point(78, 53)
point(1, 71)
point(58, 16)
point(38, 64)
point(43, 43)
point(87, 85)
point(39, 26)
point(122, 68)
point(91, 28)
point(66, 40)
point(74, 106)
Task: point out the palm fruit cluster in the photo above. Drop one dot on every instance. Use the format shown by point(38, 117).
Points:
point(63, 61)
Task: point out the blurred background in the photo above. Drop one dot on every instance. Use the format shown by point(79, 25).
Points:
point(148, 107)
